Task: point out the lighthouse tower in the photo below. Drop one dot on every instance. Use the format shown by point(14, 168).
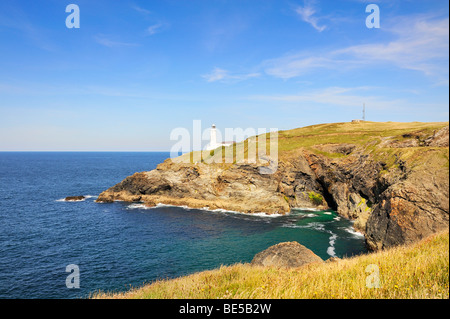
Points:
point(213, 138)
point(213, 144)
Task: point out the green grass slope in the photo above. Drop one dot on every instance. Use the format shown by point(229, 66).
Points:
point(420, 270)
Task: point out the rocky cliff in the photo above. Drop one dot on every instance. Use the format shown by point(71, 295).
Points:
point(391, 178)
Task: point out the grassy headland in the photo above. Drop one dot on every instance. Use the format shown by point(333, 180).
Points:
point(370, 135)
point(410, 169)
point(419, 270)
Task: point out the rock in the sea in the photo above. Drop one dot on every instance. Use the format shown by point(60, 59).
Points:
point(74, 198)
point(288, 255)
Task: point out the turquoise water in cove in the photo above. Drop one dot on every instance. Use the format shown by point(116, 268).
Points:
point(117, 246)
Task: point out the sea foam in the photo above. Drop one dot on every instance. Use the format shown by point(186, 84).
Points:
point(354, 233)
point(332, 240)
point(260, 214)
point(307, 209)
point(218, 210)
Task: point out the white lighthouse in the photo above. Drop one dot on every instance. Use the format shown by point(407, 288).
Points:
point(213, 138)
point(213, 144)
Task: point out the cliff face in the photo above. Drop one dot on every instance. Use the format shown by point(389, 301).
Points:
point(239, 188)
point(393, 183)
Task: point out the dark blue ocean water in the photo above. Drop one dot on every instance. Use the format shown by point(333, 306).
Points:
point(117, 246)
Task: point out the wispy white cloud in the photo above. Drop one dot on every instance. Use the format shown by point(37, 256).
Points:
point(307, 14)
point(153, 29)
point(293, 65)
point(419, 43)
point(341, 97)
point(141, 10)
point(54, 89)
point(218, 74)
point(19, 20)
point(107, 42)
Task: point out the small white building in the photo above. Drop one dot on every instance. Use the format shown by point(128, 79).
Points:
point(213, 144)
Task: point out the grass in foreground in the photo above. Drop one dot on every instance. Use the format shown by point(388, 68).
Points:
point(419, 270)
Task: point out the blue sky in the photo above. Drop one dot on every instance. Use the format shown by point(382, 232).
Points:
point(136, 70)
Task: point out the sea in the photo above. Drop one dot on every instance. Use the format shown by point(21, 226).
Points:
point(53, 249)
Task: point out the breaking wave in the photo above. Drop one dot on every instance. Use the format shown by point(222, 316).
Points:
point(332, 240)
point(353, 232)
point(307, 209)
point(218, 210)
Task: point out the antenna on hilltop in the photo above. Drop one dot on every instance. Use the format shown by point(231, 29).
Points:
point(364, 111)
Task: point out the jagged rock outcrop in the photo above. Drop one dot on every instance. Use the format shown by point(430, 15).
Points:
point(201, 185)
point(409, 210)
point(396, 188)
point(439, 138)
point(233, 187)
point(74, 198)
point(286, 255)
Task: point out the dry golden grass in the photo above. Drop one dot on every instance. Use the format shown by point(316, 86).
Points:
point(420, 270)
point(366, 134)
point(356, 133)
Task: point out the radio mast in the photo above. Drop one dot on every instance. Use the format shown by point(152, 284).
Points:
point(364, 111)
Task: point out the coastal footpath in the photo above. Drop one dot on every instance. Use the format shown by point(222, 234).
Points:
point(392, 179)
